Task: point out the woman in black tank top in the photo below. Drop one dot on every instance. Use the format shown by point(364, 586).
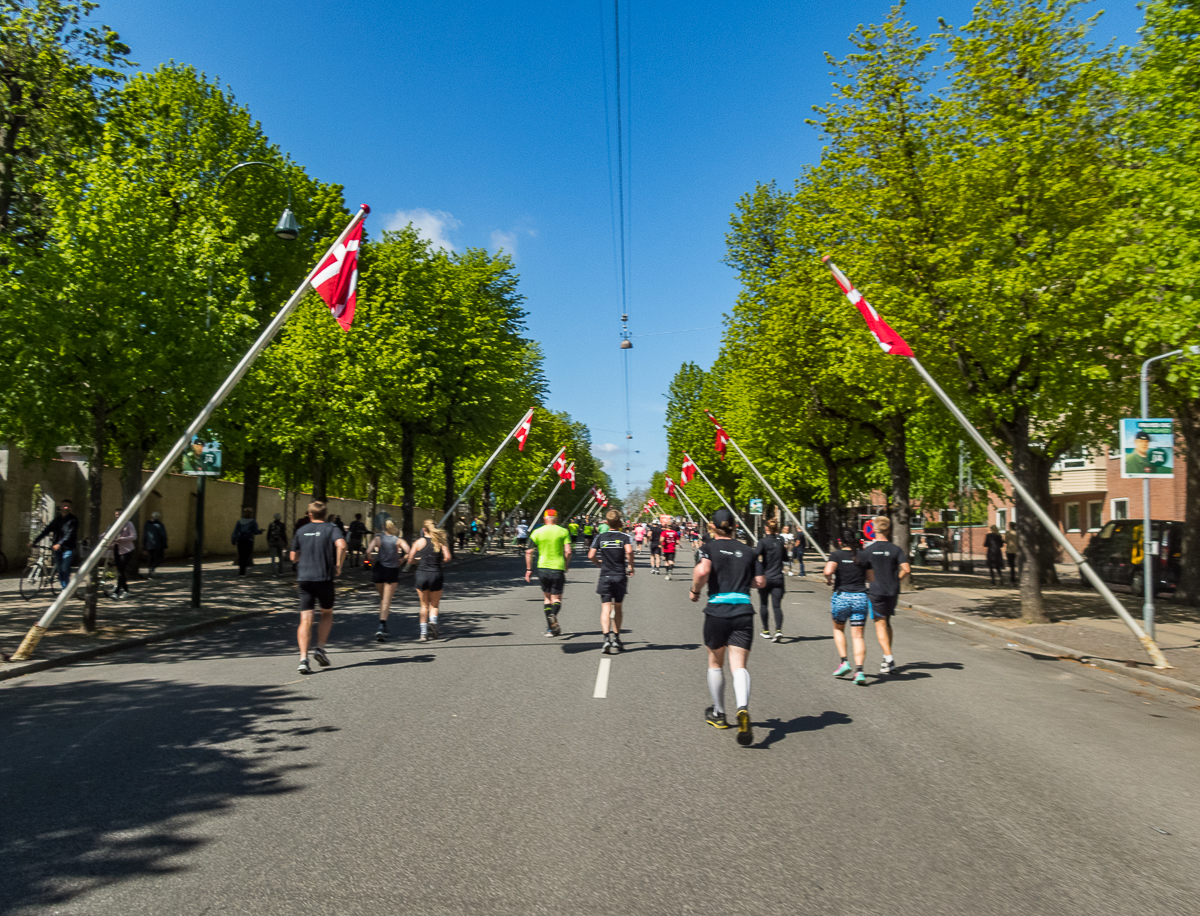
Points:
point(428, 553)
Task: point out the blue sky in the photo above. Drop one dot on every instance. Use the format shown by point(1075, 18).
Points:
point(485, 124)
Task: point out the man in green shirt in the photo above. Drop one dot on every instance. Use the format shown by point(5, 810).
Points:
point(1138, 461)
point(573, 527)
point(552, 548)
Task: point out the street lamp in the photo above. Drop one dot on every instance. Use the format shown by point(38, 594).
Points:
point(1148, 575)
point(287, 228)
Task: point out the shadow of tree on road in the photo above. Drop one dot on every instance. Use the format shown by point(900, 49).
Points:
point(106, 782)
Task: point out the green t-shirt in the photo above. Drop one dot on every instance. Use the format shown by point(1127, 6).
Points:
point(573, 528)
point(550, 541)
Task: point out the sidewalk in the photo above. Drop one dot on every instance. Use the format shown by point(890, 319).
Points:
point(1083, 622)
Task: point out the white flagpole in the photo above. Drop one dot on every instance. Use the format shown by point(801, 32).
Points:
point(774, 495)
point(36, 632)
point(514, 509)
point(720, 497)
point(586, 498)
point(1151, 648)
point(542, 511)
point(699, 515)
point(487, 464)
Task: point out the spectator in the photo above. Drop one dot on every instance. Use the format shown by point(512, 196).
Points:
point(123, 551)
point(243, 536)
point(357, 537)
point(154, 542)
point(277, 542)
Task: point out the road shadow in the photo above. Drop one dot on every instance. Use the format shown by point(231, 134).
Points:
point(779, 729)
point(379, 662)
point(104, 782)
point(785, 640)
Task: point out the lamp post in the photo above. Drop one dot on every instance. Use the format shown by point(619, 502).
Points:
point(288, 230)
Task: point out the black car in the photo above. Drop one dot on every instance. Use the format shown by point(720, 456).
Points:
point(1115, 553)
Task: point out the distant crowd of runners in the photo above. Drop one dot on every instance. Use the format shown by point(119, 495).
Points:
point(865, 577)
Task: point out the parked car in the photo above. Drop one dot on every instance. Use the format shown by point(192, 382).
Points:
point(928, 548)
point(1115, 553)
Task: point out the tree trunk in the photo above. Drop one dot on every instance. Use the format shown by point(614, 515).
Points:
point(834, 506)
point(95, 506)
point(372, 496)
point(132, 460)
point(1048, 547)
point(1028, 527)
point(487, 501)
point(897, 459)
point(1189, 563)
point(320, 478)
point(448, 477)
point(408, 448)
point(251, 477)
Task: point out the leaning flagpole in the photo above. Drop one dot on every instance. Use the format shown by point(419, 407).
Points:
point(514, 509)
point(542, 511)
point(875, 322)
point(775, 496)
point(487, 464)
point(719, 496)
point(586, 498)
point(38, 630)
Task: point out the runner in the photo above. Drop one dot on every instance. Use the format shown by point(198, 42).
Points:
point(613, 553)
point(318, 551)
point(890, 565)
point(552, 547)
point(769, 553)
point(849, 603)
point(522, 534)
point(357, 536)
point(654, 535)
point(639, 535)
point(428, 553)
point(573, 530)
point(729, 569)
point(670, 541)
point(386, 551)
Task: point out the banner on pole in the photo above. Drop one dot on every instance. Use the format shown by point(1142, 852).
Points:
point(1148, 448)
point(202, 458)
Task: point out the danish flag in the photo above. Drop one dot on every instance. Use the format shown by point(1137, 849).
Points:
point(559, 464)
point(687, 470)
point(336, 278)
point(889, 340)
point(669, 487)
point(522, 432)
point(569, 475)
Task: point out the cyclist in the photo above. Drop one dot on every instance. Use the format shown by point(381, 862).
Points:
point(64, 541)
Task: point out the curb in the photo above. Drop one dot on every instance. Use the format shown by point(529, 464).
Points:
point(1108, 664)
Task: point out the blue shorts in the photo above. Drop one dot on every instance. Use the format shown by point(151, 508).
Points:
point(850, 606)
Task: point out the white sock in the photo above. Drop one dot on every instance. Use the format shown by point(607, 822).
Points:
point(888, 659)
point(716, 687)
point(424, 629)
point(433, 619)
point(741, 687)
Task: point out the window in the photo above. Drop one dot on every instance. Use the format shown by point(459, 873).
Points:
point(1095, 515)
point(1002, 519)
point(1120, 508)
point(1075, 458)
point(1072, 516)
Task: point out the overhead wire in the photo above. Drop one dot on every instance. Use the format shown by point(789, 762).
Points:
point(622, 146)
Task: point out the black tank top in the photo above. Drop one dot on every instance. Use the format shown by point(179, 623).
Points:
point(430, 557)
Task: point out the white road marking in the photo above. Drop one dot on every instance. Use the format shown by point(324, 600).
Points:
point(601, 691)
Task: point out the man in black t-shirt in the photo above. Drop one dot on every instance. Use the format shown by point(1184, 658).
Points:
point(888, 564)
point(728, 567)
point(654, 533)
point(612, 551)
point(318, 550)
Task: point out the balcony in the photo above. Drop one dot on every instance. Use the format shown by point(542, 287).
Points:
point(1091, 479)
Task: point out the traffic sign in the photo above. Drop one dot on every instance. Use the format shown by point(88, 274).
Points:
point(869, 530)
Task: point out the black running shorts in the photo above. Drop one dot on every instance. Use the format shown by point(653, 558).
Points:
point(883, 606)
point(385, 573)
point(655, 550)
point(612, 588)
point(552, 580)
point(314, 593)
point(729, 631)
point(427, 580)
point(669, 556)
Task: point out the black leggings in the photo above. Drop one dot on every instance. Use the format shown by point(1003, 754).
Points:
point(774, 591)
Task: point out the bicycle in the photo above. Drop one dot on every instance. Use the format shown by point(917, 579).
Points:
point(40, 573)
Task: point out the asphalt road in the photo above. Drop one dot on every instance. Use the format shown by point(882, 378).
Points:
point(478, 774)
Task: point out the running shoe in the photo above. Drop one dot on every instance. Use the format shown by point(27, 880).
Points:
point(843, 668)
point(422, 638)
point(765, 634)
point(778, 637)
point(604, 650)
point(714, 718)
point(304, 667)
point(322, 658)
point(555, 629)
point(618, 646)
point(886, 667)
point(860, 679)
point(381, 634)
point(668, 577)
point(745, 735)
point(549, 632)
point(433, 630)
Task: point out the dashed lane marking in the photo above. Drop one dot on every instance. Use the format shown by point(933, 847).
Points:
point(601, 691)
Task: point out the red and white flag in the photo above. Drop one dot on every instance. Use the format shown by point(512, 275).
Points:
point(722, 439)
point(669, 487)
point(569, 475)
point(336, 278)
point(559, 464)
point(687, 470)
point(889, 340)
point(651, 503)
point(522, 432)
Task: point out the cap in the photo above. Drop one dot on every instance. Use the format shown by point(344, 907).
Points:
point(553, 512)
point(723, 517)
point(1142, 434)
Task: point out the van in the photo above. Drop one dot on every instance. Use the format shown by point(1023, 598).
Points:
point(1115, 553)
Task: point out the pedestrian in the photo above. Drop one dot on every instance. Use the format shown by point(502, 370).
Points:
point(428, 553)
point(277, 542)
point(552, 550)
point(64, 540)
point(460, 530)
point(154, 542)
point(890, 566)
point(356, 537)
point(244, 532)
point(1010, 547)
point(123, 553)
point(654, 535)
point(993, 544)
point(849, 603)
point(386, 551)
point(729, 570)
point(670, 543)
point(639, 535)
point(770, 552)
point(318, 551)
point(613, 553)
